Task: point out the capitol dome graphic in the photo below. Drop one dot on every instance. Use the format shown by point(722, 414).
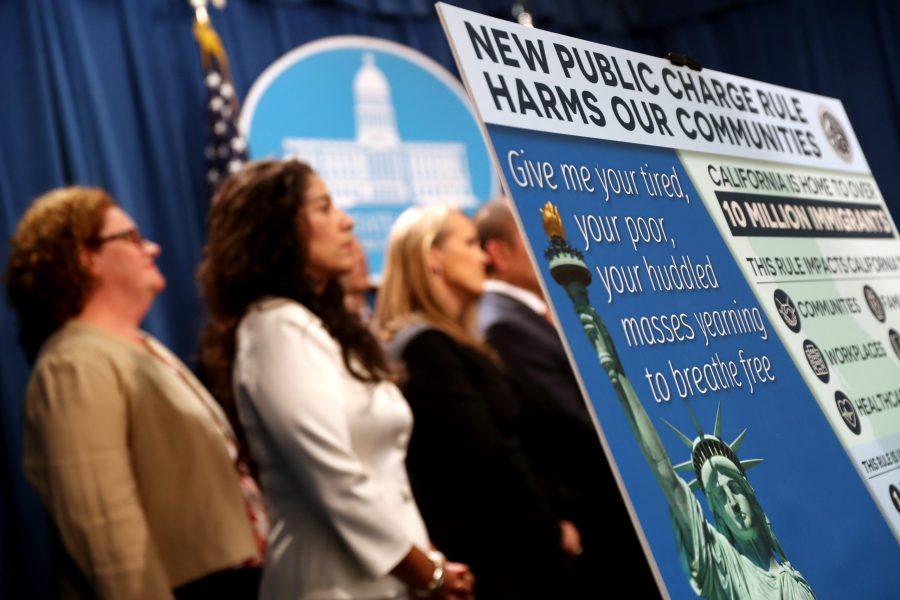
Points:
point(377, 167)
point(385, 127)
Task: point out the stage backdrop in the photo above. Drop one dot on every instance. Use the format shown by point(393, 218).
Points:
point(370, 131)
point(111, 93)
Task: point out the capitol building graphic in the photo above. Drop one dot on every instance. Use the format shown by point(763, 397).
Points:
point(377, 167)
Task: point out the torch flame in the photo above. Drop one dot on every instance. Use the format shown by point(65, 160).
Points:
point(553, 226)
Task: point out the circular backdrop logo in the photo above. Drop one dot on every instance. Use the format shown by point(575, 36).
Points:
point(787, 310)
point(848, 412)
point(895, 341)
point(874, 303)
point(895, 496)
point(835, 134)
point(816, 361)
point(384, 126)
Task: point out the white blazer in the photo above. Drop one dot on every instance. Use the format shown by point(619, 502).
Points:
point(331, 452)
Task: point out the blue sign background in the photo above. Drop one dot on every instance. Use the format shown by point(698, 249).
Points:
point(823, 516)
point(313, 98)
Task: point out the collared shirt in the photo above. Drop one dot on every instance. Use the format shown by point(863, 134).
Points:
point(526, 297)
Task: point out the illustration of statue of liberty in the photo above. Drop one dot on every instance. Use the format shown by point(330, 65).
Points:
point(735, 557)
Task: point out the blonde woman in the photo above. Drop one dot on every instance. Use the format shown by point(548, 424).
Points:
point(468, 473)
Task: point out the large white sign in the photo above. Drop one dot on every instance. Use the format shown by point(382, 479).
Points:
point(532, 79)
point(726, 277)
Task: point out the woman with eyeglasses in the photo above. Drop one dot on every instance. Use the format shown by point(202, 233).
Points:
point(325, 424)
point(131, 456)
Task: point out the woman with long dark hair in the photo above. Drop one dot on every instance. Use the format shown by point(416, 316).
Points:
point(311, 391)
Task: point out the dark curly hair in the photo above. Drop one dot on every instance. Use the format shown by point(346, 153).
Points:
point(46, 283)
point(255, 248)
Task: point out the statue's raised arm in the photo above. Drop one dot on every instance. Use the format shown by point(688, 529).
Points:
point(569, 270)
point(736, 556)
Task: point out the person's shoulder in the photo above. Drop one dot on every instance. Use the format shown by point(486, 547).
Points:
point(514, 322)
point(274, 308)
point(495, 303)
point(80, 343)
point(277, 312)
point(500, 297)
point(424, 343)
point(430, 337)
point(496, 307)
point(433, 347)
point(281, 323)
point(83, 354)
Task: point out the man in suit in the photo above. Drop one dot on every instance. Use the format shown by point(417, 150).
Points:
point(559, 437)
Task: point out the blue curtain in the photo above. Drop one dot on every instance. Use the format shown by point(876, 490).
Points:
point(109, 93)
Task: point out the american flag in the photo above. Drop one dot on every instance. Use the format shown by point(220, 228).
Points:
point(226, 149)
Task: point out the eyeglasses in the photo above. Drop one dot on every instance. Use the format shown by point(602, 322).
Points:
point(129, 235)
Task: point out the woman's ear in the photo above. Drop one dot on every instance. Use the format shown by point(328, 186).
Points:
point(87, 259)
point(435, 260)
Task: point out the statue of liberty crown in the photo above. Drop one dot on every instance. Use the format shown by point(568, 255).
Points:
point(705, 446)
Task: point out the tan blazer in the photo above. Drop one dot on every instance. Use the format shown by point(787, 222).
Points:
point(131, 465)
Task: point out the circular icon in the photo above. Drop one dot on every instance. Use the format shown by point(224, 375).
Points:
point(788, 311)
point(816, 361)
point(847, 411)
point(895, 496)
point(895, 341)
point(835, 134)
point(874, 303)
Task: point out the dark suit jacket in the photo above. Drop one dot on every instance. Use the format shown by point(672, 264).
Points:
point(472, 483)
point(558, 435)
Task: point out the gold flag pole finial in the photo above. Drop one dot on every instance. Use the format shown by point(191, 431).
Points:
point(552, 222)
point(207, 38)
point(201, 12)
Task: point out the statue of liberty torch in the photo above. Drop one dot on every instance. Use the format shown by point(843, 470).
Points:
point(737, 556)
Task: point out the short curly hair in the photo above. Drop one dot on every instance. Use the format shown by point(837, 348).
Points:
point(46, 283)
